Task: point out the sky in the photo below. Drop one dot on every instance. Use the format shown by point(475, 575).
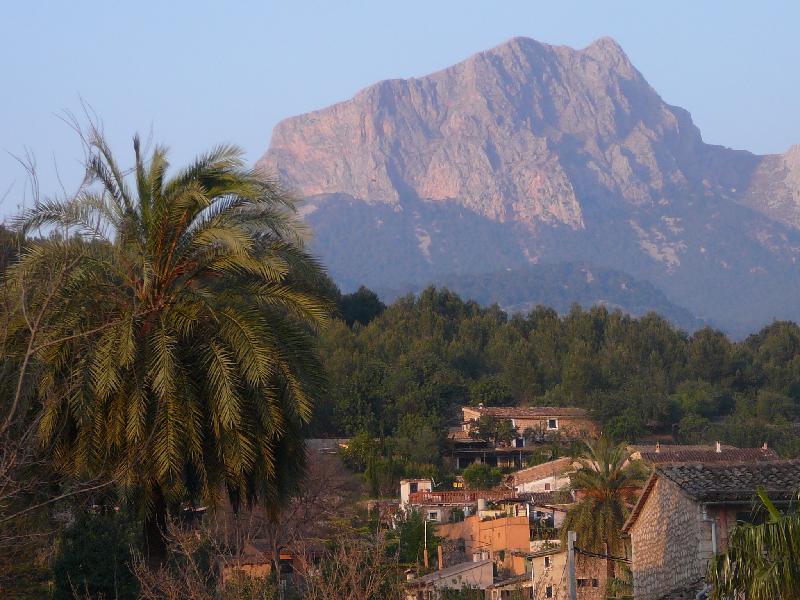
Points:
point(194, 73)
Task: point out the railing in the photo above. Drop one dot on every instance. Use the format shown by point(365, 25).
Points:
point(459, 496)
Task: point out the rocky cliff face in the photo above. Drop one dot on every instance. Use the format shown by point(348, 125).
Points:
point(532, 153)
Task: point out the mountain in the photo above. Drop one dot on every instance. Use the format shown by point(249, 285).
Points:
point(534, 154)
point(559, 286)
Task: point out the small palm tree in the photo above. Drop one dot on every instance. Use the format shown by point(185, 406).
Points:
point(179, 356)
point(760, 561)
point(606, 485)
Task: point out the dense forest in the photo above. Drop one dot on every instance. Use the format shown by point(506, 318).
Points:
point(402, 371)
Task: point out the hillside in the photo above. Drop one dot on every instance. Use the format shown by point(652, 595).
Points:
point(529, 153)
point(560, 286)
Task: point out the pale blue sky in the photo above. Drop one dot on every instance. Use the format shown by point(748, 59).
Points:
point(200, 72)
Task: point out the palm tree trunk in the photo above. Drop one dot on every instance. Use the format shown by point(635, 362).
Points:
point(155, 530)
point(276, 561)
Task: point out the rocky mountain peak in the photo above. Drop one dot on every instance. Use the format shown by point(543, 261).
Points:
point(548, 153)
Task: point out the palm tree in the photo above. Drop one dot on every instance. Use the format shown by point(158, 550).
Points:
point(760, 561)
point(606, 484)
point(178, 358)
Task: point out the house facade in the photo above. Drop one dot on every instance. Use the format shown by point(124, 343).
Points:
point(686, 513)
point(545, 422)
point(546, 477)
point(493, 539)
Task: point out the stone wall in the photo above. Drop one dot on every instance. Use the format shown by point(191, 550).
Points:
point(670, 543)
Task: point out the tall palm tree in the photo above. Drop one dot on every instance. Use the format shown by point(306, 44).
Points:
point(178, 358)
point(606, 484)
point(760, 561)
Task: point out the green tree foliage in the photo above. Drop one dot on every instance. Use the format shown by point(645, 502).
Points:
point(179, 356)
point(411, 533)
point(607, 484)
point(760, 561)
point(480, 476)
point(94, 559)
point(362, 306)
point(417, 439)
point(497, 431)
point(430, 354)
point(490, 390)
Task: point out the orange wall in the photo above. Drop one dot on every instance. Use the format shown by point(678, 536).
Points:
point(492, 536)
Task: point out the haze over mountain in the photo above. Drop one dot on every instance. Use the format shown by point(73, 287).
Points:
point(529, 153)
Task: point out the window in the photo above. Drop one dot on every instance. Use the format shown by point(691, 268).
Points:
point(546, 487)
point(595, 583)
point(583, 583)
point(413, 487)
point(433, 516)
point(552, 423)
point(546, 562)
point(548, 591)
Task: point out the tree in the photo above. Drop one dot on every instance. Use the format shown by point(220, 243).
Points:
point(490, 391)
point(418, 439)
point(94, 559)
point(413, 534)
point(362, 306)
point(352, 568)
point(178, 356)
point(760, 561)
point(480, 476)
point(497, 431)
point(606, 483)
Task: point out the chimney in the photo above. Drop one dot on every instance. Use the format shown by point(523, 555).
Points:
point(719, 448)
point(409, 574)
point(441, 557)
point(658, 447)
point(765, 446)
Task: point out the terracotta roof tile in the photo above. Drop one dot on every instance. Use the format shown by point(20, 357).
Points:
point(557, 466)
point(530, 412)
point(711, 456)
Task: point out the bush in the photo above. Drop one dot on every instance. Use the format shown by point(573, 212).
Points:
point(93, 559)
point(480, 476)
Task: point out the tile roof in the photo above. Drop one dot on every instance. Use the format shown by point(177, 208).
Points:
point(726, 454)
point(735, 482)
point(542, 498)
point(530, 412)
point(460, 434)
point(671, 448)
point(557, 466)
point(447, 572)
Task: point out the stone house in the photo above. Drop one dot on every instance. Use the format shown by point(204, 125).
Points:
point(547, 422)
point(686, 512)
point(546, 477)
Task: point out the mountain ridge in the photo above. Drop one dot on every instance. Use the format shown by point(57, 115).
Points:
point(559, 155)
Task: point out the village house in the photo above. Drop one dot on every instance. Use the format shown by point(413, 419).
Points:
point(545, 564)
point(441, 507)
point(685, 515)
point(543, 422)
point(546, 477)
point(660, 454)
point(464, 450)
point(477, 574)
point(513, 588)
point(494, 539)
